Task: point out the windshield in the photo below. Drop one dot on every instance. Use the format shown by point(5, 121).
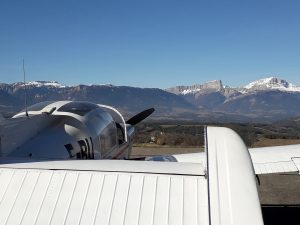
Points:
point(79, 108)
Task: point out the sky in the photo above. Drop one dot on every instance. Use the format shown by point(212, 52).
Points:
point(149, 43)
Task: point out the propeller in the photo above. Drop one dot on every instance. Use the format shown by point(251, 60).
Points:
point(140, 116)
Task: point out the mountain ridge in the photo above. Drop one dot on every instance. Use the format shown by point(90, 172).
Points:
point(269, 97)
point(262, 100)
point(268, 83)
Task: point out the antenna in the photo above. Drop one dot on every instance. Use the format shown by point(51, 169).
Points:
point(25, 89)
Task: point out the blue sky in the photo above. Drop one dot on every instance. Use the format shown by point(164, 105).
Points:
point(149, 43)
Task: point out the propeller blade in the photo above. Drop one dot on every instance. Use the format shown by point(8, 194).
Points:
point(140, 116)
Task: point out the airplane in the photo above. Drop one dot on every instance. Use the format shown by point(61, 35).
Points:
point(60, 186)
point(69, 130)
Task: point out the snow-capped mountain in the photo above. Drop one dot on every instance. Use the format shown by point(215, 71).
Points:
point(268, 96)
point(262, 100)
point(50, 84)
point(272, 83)
point(128, 99)
point(215, 85)
point(265, 84)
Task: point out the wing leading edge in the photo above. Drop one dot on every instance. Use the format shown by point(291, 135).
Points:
point(233, 194)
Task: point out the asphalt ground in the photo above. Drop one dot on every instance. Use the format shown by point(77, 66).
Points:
point(280, 198)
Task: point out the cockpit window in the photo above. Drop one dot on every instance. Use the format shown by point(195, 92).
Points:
point(79, 108)
point(38, 106)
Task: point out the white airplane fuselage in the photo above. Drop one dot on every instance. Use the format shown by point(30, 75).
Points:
point(67, 130)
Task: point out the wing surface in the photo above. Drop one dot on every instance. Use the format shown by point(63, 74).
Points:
point(103, 192)
point(277, 159)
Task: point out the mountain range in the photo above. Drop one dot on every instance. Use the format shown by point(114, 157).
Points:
point(263, 100)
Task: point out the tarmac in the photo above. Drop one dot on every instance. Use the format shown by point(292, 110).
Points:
point(280, 198)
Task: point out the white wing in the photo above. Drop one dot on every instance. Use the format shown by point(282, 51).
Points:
point(276, 159)
point(103, 192)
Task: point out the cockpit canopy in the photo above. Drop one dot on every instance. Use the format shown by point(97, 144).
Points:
point(79, 108)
